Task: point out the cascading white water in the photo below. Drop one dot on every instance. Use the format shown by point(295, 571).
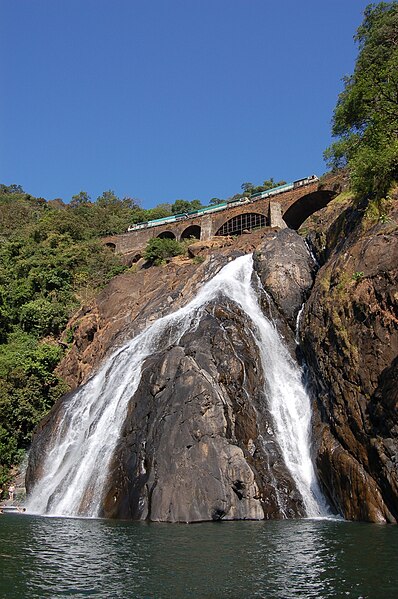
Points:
point(77, 461)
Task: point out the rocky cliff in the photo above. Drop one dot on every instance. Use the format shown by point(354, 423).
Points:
point(349, 333)
point(198, 442)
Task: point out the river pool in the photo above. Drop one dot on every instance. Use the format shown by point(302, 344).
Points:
point(59, 557)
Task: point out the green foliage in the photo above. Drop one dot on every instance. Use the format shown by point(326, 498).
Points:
point(249, 188)
point(111, 215)
point(28, 388)
point(7, 189)
point(43, 317)
point(196, 205)
point(80, 199)
point(357, 276)
point(9, 455)
point(42, 275)
point(69, 334)
point(377, 211)
point(181, 206)
point(17, 210)
point(270, 183)
point(366, 115)
point(158, 250)
point(198, 259)
point(160, 211)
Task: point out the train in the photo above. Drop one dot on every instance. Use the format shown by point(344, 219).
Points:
point(224, 205)
point(282, 188)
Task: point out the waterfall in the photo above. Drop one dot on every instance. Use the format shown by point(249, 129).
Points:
point(78, 458)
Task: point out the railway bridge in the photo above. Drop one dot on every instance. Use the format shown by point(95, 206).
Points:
point(288, 209)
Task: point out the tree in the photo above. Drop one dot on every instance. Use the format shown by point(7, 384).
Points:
point(80, 199)
point(11, 188)
point(158, 250)
point(131, 203)
point(270, 183)
point(215, 201)
point(196, 204)
point(108, 198)
point(42, 317)
point(111, 215)
point(159, 211)
point(366, 115)
point(181, 206)
point(247, 187)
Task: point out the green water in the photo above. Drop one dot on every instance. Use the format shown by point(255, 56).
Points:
point(43, 557)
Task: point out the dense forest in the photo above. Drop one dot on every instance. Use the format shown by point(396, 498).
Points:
point(52, 260)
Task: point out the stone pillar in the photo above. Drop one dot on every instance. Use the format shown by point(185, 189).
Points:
point(275, 215)
point(206, 225)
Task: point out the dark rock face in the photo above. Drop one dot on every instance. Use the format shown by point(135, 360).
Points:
point(286, 270)
point(198, 442)
point(350, 338)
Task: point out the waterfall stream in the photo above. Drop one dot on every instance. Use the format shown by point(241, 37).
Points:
point(76, 464)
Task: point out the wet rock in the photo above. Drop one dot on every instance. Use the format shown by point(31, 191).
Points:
point(286, 270)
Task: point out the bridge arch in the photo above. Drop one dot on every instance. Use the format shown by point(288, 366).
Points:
point(111, 246)
point(166, 235)
point(298, 212)
point(191, 231)
point(247, 221)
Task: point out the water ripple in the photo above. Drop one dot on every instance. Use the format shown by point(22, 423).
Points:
point(58, 557)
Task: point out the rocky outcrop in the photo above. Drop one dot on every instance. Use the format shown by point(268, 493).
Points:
point(198, 442)
point(349, 335)
point(286, 270)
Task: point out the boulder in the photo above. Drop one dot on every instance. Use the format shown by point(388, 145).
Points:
point(286, 270)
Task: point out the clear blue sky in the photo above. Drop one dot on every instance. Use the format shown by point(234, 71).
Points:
point(167, 99)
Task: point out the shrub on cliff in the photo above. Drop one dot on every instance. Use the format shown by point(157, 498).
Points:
point(158, 250)
point(366, 115)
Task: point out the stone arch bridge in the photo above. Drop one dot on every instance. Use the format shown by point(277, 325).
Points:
point(288, 209)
